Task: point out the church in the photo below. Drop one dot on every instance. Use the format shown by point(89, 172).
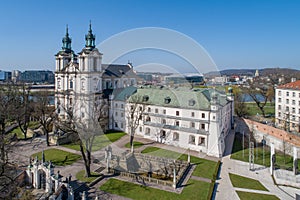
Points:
point(83, 82)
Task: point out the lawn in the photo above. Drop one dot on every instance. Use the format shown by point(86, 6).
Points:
point(58, 157)
point(100, 141)
point(205, 168)
point(285, 162)
point(193, 190)
point(244, 182)
point(81, 176)
point(255, 196)
point(136, 144)
point(253, 109)
point(20, 134)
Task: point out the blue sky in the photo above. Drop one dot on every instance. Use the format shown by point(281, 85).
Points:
point(236, 34)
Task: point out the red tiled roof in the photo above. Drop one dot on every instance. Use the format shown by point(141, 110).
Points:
point(293, 85)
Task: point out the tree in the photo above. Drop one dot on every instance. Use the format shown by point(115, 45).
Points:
point(134, 113)
point(85, 128)
point(239, 103)
point(8, 115)
point(260, 92)
point(24, 107)
point(44, 113)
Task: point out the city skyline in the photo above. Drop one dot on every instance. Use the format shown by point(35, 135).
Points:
point(236, 34)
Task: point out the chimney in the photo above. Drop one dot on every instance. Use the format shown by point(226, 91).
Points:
point(293, 79)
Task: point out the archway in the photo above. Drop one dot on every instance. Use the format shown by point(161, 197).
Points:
point(42, 182)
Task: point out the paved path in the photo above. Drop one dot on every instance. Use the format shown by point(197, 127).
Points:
point(224, 188)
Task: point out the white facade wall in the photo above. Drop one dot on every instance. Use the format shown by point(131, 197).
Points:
point(287, 109)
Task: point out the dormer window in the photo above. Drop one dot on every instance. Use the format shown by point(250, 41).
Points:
point(145, 98)
point(167, 100)
point(192, 102)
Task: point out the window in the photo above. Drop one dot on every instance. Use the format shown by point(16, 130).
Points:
point(191, 139)
point(294, 94)
point(71, 84)
point(71, 101)
point(287, 101)
point(82, 85)
point(298, 111)
point(177, 123)
point(287, 94)
point(148, 119)
point(149, 109)
point(116, 125)
point(193, 114)
point(163, 121)
point(193, 125)
point(293, 110)
point(145, 98)
point(141, 129)
point(287, 109)
point(167, 100)
point(83, 64)
point(122, 125)
point(279, 100)
point(293, 117)
point(279, 93)
point(122, 114)
point(177, 113)
point(192, 102)
point(279, 107)
point(293, 102)
point(116, 114)
point(58, 83)
point(279, 114)
point(141, 108)
point(147, 131)
point(202, 126)
point(116, 105)
point(132, 82)
point(82, 114)
point(203, 115)
point(201, 141)
point(175, 136)
point(122, 105)
point(156, 110)
point(95, 64)
point(164, 111)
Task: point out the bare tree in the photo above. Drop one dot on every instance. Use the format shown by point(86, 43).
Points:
point(86, 129)
point(44, 113)
point(24, 107)
point(134, 113)
point(8, 114)
point(239, 103)
point(260, 92)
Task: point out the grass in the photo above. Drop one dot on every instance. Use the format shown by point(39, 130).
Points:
point(20, 134)
point(193, 190)
point(100, 141)
point(136, 144)
point(58, 157)
point(244, 182)
point(253, 109)
point(282, 161)
point(255, 196)
point(205, 168)
point(81, 176)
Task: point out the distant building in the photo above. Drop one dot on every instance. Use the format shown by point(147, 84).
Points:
point(194, 79)
point(5, 76)
point(256, 73)
point(37, 76)
point(287, 106)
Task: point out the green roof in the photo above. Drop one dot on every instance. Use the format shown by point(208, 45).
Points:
point(122, 94)
point(199, 98)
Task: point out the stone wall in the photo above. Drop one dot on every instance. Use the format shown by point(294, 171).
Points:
point(280, 138)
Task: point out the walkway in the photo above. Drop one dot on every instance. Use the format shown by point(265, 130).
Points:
point(224, 188)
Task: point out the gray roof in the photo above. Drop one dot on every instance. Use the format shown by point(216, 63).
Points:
point(115, 70)
point(199, 99)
